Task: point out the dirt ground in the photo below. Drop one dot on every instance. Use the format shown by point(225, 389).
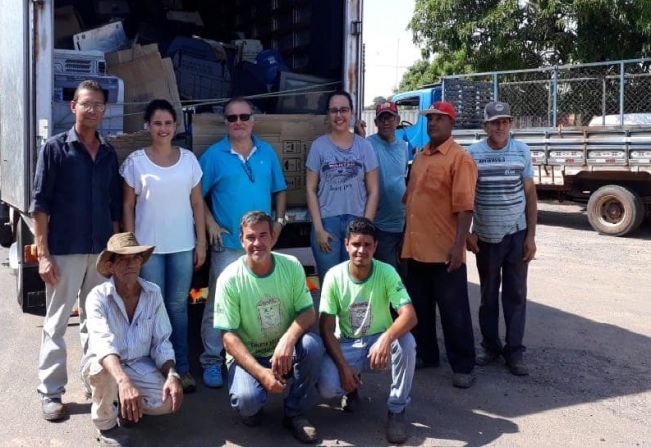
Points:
point(589, 350)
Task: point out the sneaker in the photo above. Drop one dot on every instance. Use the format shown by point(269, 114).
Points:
point(460, 380)
point(350, 402)
point(301, 428)
point(253, 420)
point(485, 357)
point(518, 367)
point(396, 428)
point(212, 376)
point(53, 409)
point(114, 437)
point(188, 383)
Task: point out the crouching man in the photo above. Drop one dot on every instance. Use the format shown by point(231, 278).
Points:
point(129, 365)
point(264, 310)
point(357, 294)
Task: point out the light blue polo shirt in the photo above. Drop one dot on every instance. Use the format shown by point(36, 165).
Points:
point(233, 192)
point(392, 159)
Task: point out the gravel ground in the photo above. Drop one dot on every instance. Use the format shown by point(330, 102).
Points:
point(588, 338)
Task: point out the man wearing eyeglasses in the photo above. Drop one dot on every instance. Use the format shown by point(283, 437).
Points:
point(76, 206)
point(241, 173)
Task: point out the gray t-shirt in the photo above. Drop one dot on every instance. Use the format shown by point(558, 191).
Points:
point(341, 173)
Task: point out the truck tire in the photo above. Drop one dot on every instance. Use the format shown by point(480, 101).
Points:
point(614, 210)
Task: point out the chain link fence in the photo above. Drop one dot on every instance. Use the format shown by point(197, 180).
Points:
point(571, 95)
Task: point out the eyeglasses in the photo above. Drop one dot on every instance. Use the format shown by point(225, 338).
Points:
point(341, 110)
point(241, 116)
point(88, 106)
point(248, 170)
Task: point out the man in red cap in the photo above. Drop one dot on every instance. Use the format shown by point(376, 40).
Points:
point(440, 198)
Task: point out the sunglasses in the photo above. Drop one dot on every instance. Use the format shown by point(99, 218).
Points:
point(241, 116)
point(248, 170)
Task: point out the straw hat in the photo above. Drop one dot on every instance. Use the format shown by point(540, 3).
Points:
point(121, 244)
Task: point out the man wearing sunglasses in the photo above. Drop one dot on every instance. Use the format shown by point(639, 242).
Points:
point(76, 206)
point(241, 173)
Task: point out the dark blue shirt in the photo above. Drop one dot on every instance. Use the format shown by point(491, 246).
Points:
point(82, 197)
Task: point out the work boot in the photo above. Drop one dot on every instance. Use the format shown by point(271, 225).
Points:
point(301, 428)
point(53, 409)
point(350, 402)
point(396, 428)
point(114, 437)
point(517, 367)
point(485, 357)
point(460, 380)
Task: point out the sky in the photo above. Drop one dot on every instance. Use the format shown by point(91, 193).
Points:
point(389, 47)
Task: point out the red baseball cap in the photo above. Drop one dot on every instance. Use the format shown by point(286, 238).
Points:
point(386, 107)
point(441, 108)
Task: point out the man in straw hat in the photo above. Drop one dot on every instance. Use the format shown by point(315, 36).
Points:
point(130, 357)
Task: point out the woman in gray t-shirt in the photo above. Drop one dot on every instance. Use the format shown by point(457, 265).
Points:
point(342, 183)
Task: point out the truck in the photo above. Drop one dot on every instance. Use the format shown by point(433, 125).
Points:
point(588, 127)
point(320, 44)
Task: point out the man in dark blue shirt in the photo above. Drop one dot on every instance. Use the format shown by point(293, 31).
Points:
point(76, 206)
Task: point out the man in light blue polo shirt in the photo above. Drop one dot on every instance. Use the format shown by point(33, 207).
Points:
point(241, 173)
point(503, 235)
point(392, 156)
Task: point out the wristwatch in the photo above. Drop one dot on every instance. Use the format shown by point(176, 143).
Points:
point(174, 374)
point(282, 220)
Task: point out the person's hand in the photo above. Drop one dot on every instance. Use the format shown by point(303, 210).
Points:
point(380, 352)
point(130, 404)
point(360, 128)
point(472, 243)
point(272, 383)
point(172, 389)
point(455, 258)
point(48, 270)
point(349, 379)
point(215, 234)
point(323, 238)
point(529, 251)
point(199, 255)
point(277, 229)
point(281, 360)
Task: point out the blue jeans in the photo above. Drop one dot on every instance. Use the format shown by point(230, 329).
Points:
point(211, 337)
point(388, 244)
point(502, 263)
point(172, 272)
point(336, 226)
point(355, 351)
point(248, 396)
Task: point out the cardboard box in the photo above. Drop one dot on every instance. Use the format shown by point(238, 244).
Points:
point(126, 143)
point(146, 76)
point(106, 38)
point(290, 135)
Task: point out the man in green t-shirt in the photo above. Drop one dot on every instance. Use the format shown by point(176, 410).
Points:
point(355, 297)
point(265, 311)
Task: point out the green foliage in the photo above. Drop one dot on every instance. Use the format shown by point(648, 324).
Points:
point(487, 35)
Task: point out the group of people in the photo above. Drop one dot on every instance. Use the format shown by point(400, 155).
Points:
point(123, 242)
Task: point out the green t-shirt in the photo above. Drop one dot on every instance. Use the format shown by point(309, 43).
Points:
point(362, 308)
point(261, 308)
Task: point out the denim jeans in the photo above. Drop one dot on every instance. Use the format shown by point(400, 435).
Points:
point(502, 263)
point(211, 337)
point(172, 272)
point(248, 395)
point(336, 226)
point(430, 285)
point(355, 351)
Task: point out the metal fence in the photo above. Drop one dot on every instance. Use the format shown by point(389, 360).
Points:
point(569, 95)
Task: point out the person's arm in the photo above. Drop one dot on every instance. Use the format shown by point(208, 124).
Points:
point(281, 360)
point(212, 227)
point(172, 387)
point(128, 207)
point(455, 258)
point(531, 211)
point(116, 202)
point(311, 185)
point(235, 347)
point(380, 352)
point(350, 381)
point(198, 207)
point(371, 180)
point(280, 199)
point(47, 268)
point(130, 397)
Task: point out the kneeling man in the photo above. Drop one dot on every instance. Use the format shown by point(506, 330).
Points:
point(130, 360)
point(356, 295)
point(264, 310)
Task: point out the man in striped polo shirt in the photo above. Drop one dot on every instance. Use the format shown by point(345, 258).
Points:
point(503, 235)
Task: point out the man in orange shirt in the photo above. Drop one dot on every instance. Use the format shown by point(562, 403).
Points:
point(440, 198)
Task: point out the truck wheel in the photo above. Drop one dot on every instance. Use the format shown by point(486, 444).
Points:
point(615, 210)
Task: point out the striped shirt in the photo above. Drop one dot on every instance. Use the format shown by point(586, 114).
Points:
point(142, 343)
point(500, 201)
